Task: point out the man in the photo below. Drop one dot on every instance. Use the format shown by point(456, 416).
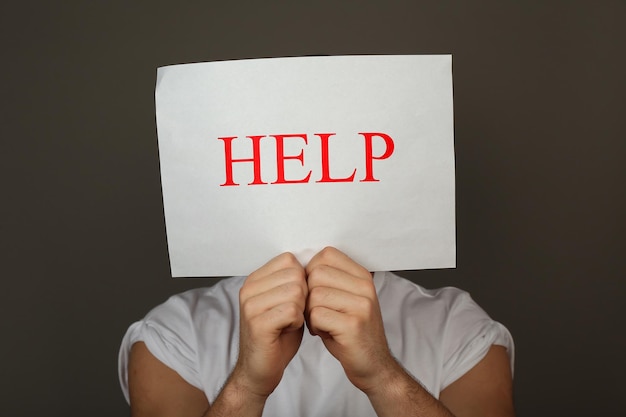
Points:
point(377, 346)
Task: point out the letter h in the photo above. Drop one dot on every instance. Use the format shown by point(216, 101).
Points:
point(229, 161)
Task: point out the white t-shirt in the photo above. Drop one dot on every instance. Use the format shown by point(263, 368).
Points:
point(437, 335)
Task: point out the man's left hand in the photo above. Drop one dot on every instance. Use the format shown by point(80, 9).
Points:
point(343, 309)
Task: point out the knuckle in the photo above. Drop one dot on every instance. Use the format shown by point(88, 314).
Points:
point(317, 295)
point(328, 251)
point(247, 308)
point(287, 260)
point(291, 310)
point(315, 313)
point(287, 314)
point(316, 291)
point(365, 304)
point(318, 270)
point(292, 276)
point(365, 274)
point(243, 294)
point(313, 299)
point(294, 273)
point(354, 323)
point(327, 254)
point(292, 290)
point(367, 287)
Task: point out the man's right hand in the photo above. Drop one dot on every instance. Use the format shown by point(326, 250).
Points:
point(272, 302)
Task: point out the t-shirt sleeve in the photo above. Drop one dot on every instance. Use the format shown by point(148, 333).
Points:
point(169, 335)
point(469, 334)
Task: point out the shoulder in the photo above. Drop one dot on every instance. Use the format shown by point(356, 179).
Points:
point(450, 310)
point(400, 293)
point(451, 325)
point(409, 309)
point(183, 313)
point(171, 333)
point(195, 302)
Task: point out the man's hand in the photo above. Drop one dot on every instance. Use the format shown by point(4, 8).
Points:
point(343, 310)
point(272, 302)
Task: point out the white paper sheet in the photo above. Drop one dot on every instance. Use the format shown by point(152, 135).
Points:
point(395, 213)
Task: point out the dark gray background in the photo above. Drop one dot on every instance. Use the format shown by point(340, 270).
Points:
point(540, 152)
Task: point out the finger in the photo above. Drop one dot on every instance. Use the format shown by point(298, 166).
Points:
point(256, 285)
point(291, 292)
point(333, 257)
point(331, 277)
point(284, 261)
point(286, 316)
point(326, 321)
point(341, 301)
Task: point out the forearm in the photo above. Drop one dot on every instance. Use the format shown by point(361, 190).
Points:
point(235, 400)
point(398, 394)
point(271, 306)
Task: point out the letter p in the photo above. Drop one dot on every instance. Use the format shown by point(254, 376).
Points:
point(369, 153)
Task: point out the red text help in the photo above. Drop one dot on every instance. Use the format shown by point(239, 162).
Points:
point(303, 139)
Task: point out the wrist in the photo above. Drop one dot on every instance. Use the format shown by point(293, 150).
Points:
point(240, 385)
point(236, 400)
point(398, 393)
point(391, 382)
